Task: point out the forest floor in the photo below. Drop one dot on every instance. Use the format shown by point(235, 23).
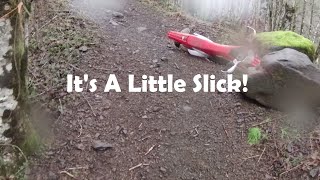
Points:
point(151, 135)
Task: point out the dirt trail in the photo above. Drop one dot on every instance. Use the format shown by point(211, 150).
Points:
point(191, 135)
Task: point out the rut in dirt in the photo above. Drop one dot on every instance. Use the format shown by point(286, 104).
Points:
point(151, 135)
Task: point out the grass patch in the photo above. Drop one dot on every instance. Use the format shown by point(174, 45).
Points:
point(254, 136)
point(165, 5)
point(289, 134)
point(31, 143)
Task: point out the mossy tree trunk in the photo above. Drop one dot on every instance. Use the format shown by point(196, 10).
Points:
point(14, 62)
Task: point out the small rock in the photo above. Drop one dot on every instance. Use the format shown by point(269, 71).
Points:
point(124, 131)
point(240, 120)
point(83, 49)
point(50, 153)
point(141, 29)
point(314, 172)
point(80, 147)
point(268, 177)
point(290, 148)
point(187, 108)
point(186, 30)
point(155, 61)
point(269, 130)
point(101, 146)
point(2, 23)
point(238, 104)
point(117, 15)
point(157, 65)
point(107, 105)
point(82, 25)
point(145, 117)
point(61, 162)
point(52, 176)
point(126, 40)
point(164, 59)
point(163, 130)
point(97, 135)
point(117, 128)
point(113, 22)
point(163, 170)
point(156, 109)
point(242, 113)
point(173, 133)
point(135, 52)
point(7, 7)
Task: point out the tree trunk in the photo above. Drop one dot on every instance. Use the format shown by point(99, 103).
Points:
point(277, 10)
point(270, 14)
point(311, 18)
point(294, 21)
point(303, 16)
point(282, 13)
point(318, 51)
point(15, 127)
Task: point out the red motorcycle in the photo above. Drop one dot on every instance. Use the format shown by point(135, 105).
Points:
point(200, 46)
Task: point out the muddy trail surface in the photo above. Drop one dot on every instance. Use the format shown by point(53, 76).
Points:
point(151, 135)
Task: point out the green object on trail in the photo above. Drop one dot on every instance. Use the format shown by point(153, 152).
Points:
point(286, 39)
point(254, 136)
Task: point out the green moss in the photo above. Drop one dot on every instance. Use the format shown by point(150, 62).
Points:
point(31, 142)
point(254, 136)
point(287, 39)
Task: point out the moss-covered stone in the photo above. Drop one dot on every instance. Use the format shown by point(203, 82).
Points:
point(285, 39)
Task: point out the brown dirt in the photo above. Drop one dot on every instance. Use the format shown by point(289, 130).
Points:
point(192, 135)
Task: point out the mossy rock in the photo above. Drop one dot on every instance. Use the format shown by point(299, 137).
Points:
point(277, 40)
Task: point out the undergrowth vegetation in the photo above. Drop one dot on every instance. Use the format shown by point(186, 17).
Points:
point(54, 49)
point(254, 136)
point(54, 41)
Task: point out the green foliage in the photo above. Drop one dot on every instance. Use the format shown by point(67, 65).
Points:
point(13, 162)
point(166, 5)
point(287, 39)
point(32, 142)
point(254, 136)
point(289, 133)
